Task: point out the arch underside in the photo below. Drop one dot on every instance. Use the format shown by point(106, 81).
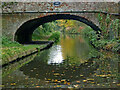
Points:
point(24, 33)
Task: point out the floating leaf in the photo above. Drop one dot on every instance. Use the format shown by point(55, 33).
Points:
point(56, 74)
point(81, 75)
point(37, 86)
point(92, 82)
point(84, 80)
point(78, 81)
point(98, 84)
point(90, 79)
point(13, 84)
point(68, 83)
point(63, 80)
point(118, 84)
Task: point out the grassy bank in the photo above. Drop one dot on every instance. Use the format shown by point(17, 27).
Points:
point(12, 50)
point(109, 37)
point(104, 44)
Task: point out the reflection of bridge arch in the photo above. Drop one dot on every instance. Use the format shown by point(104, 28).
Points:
point(24, 33)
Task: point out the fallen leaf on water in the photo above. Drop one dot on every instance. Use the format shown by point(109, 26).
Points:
point(35, 68)
point(49, 79)
point(58, 86)
point(37, 86)
point(59, 81)
point(31, 70)
point(109, 74)
point(62, 74)
point(90, 79)
point(76, 85)
point(36, 74)
point(92, 82)
point(13, 83)
point(103, 85)
point(98, 84)
point(56, 74)
point(63, 80)
point(78, 81)
point(53, 71)
point(70, 87)
point(55, 80)
point(114, 82)
point(73, 70)
point(102, 75)
point(68, 83)
point(81, 75)
point(84, 80)
point(118, 84)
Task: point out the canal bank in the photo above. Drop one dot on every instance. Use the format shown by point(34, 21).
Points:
point(17, 53)
point(100, 43)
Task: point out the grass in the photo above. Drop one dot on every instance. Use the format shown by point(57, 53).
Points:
point(109, 38)
point(55, 37)
point(11, 50)
point(105, 44)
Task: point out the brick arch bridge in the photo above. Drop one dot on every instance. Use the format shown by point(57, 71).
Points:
point(21, 19)
point(25, 31)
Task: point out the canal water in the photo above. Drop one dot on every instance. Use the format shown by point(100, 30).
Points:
point(72, 63)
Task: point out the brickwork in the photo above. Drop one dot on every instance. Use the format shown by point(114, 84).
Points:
point(12, 22)
point(64, 6)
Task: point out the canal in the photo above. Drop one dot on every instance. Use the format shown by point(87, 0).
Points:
point(72, 63)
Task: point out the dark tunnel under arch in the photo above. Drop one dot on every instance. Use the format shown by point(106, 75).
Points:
point(25, 31)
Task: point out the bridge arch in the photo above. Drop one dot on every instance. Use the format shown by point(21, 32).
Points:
point(25, 31)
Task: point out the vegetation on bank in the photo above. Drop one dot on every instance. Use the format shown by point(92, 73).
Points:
point(48, 31)
point(52, 30)
point(55, 37)
point(44, 31)
point(11, 50)
point(109, 38)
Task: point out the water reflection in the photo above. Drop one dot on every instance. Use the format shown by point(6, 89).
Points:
point(72, 63)
point(55, 55)
point(75, 48)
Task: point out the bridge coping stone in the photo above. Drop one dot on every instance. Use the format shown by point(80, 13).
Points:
point(112, 7)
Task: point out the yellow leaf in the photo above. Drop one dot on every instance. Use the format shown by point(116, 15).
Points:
point(56, 74)
point(92, 82)
point(81, 75)
point(37, 86)
point(63, 80)
point(118, 84)
point(56, 80)
point(13, 83)
point(78, 81)
point(84, 80)
point(89, 79)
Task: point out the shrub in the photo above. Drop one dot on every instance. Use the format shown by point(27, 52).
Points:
point(8, 43)
point(55, 37)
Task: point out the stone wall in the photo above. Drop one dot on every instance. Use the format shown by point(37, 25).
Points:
point(111, 7)
point(11, 22)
